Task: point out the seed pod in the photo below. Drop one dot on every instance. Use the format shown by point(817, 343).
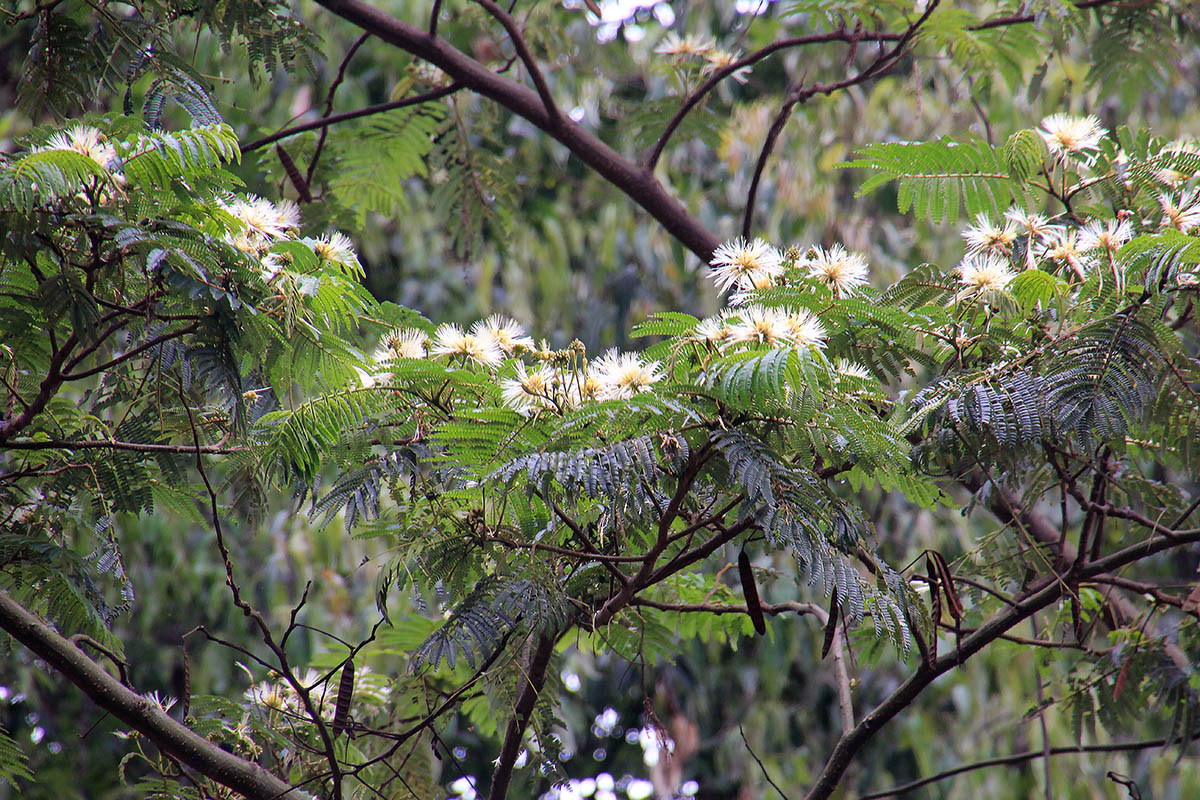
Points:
point(341, 713)
point(831, 625)
point(750, 592)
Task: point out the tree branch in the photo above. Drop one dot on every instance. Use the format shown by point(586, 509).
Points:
point(1020, 758)
point(172, 737)
point(635, 181)
point(535, 679)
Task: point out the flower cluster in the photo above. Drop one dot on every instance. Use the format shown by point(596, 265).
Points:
point(557, 380)
point(1023, 240)
point(258, 224)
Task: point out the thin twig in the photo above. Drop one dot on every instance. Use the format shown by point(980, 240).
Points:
point(404, 102)
point(333, 87)
point(1020, 758)
point(758, 761)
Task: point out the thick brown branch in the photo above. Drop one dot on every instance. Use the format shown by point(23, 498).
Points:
point(635, 181)
point(140, 713)
point(535, 679)
point(106, 444)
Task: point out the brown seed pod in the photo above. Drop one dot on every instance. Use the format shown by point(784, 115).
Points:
point(750, 592)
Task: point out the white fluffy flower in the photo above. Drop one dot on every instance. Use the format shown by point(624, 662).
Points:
point(843, 271)
point(506, 332)
point(262, 221)
point(690, 45)
point(745, 265)
point(85, 140)
point(1065, 134)
point(985, 276)
point(402, 343)
point(986, 237)
point(623, 375)
point(338, 248)
point(1036, 226)
point(1107, 236)
point(1067, 252)
point(1182, 215)
point(530, 390)
point(449, 340)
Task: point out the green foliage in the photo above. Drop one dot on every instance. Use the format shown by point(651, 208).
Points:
point(935, 178)
point(12, 760)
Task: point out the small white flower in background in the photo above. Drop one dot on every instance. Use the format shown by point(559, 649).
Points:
point(843, 271)
point(530, 389)
point(402, 343)
point(720, 59)
point(338, 248)
point(1065, 134)
point(1067, 252)
point(449, 340)
point(690, 45)
point(85, 140)
point(506, 332)
point(1182, 215)
point(986, 276)
point(1035, 226)
point(620, 376)
point(986, 237)
point(745, 265)
point(164, 704)
point(1107, 236)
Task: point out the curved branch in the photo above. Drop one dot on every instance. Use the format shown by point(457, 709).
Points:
point(634, 180)
point(1041, 594)
point(169, 735)
point(800, 95)
point(1020, 758)
point(518, 40)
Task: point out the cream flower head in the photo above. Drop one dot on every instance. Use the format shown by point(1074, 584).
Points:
point(1065, 134)
point(506, 332)
point(985, 276)
point(689, 45)
point(1067, 251)
point(745, 265)
point(985, 237)
point(1182, 215)
point(85, 140)
point(402, 343)
point(843, 271)
point(620, 376)
point(805, 329)
point(449, 340)
point(530, 390)
point(338, 248)
point(1107, 236)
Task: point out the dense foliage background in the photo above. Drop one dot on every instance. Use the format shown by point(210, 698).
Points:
point(459, 208)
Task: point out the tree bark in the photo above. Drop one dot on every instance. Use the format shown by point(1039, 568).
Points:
point(143, 715)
